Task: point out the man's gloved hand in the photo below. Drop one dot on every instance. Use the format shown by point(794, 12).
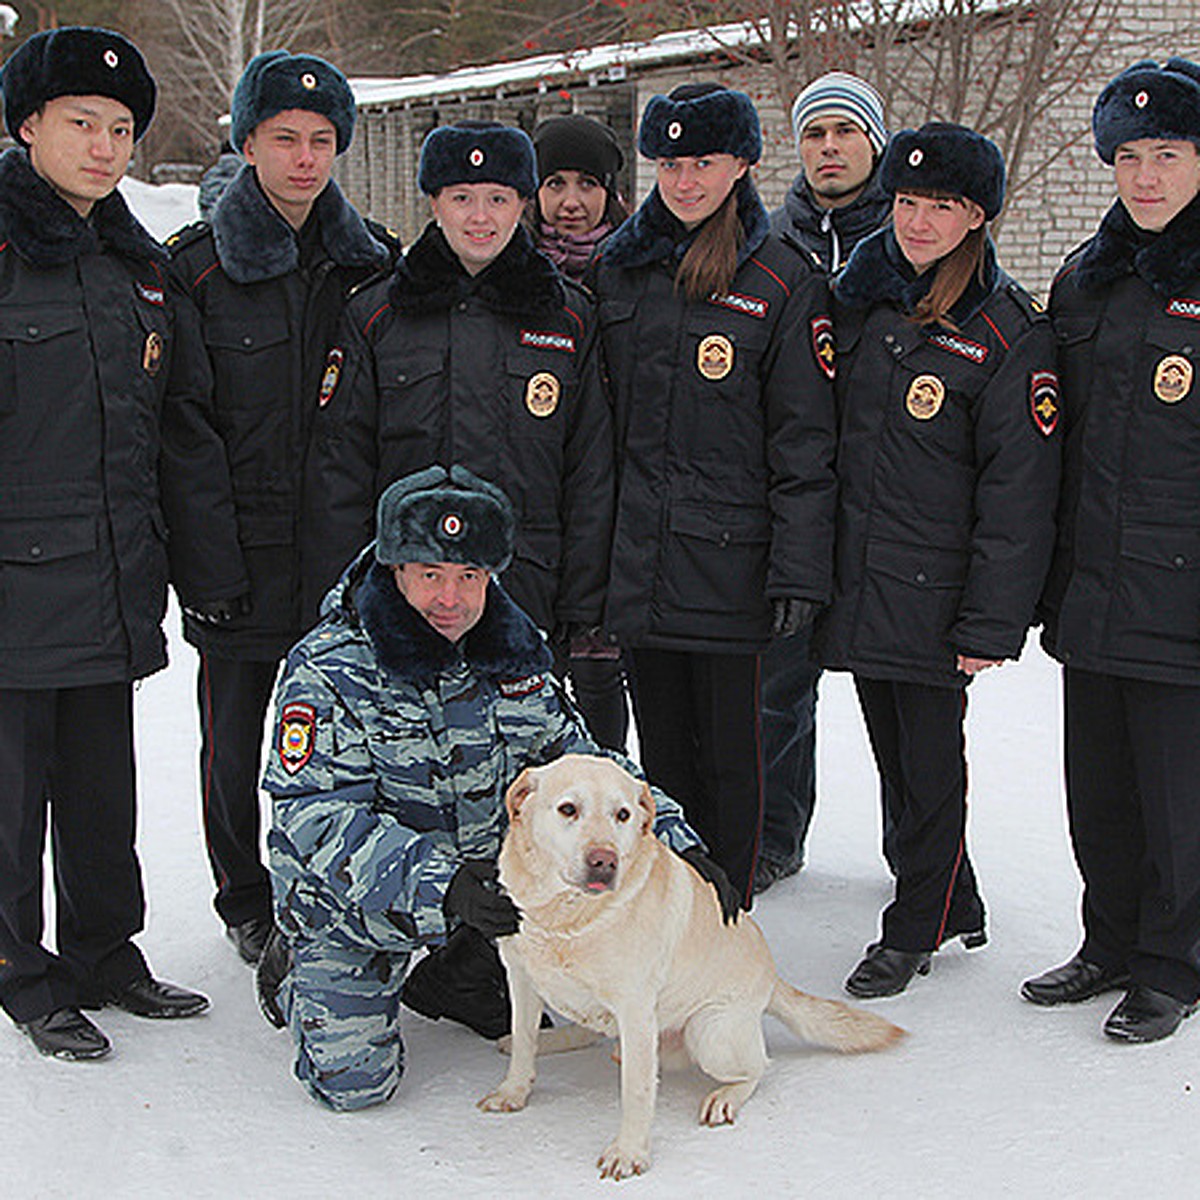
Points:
point(731, 902)
point(474, 897)
point(790, 614)
point(218, 612)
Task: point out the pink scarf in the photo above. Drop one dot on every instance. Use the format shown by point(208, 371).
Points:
point(571, 252)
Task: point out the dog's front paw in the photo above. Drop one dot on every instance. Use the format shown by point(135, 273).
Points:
point(504, 1099)
point(620, 1161)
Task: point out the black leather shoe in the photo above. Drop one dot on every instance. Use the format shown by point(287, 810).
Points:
point(768, 872)
point(1146, 1015)
point(1072, 982)
point(249, 937)
point(886, 972)
point(273, 966)
point(154, 999)
point(67, 1033)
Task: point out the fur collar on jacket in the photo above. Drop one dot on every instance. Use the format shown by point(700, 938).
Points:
point(504, 645)
point(47, 232)
point(1166, 261)
point(655, 234)
point(255, 243)
point(519, 282)
point(878, 273)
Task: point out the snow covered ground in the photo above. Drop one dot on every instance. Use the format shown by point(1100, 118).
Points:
point(988, 1097)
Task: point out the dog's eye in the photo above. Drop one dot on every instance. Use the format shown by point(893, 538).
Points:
point(568, 810)
point(623, 815)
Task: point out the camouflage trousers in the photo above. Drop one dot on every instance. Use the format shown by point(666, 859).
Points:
point(343, 1011)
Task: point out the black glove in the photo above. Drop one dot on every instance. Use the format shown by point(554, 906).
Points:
point(474, 897)
point(790, 614)
point(731, 902)
point(218, 612)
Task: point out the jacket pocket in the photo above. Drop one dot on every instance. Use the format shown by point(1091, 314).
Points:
point(715, 559)
point(239, 347)
point(30, 350)
point(1156, 603)
point(910, 600)
point(49, 583)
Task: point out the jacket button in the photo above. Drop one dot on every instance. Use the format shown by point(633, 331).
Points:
point(35, 552)
point(402, 378)
point(725, 539)
point(922, 577)
point(1179, 561)
point(247, 340)
point(33, 330)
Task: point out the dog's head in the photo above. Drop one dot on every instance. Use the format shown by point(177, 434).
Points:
point(576, 823)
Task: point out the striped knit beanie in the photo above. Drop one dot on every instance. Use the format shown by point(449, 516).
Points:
point(843, 95)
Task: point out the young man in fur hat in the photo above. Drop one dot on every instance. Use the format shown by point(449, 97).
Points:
point(402, 719)
point(261, 289)
point(1122, 604)
point(833, 204)
point(88, 334)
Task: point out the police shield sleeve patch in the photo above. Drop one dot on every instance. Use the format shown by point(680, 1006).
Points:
point(329, 380)
point(1043, 400)
point(297, 733)
point(823, 345)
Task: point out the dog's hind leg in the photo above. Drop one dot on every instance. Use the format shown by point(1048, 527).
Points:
point(512, 1093)
point(727, 1043)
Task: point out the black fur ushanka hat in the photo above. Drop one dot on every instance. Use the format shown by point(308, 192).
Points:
point(276, 81)
point(477, 152)
point(696, 119)
point(76, 60)
point(436, 516)
point(942, 157)
point(1148, 101)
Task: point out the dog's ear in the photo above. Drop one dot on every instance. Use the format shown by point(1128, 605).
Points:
point(648, 807)
point(522, 787)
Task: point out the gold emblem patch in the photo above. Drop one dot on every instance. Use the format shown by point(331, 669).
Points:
point(1173, 378)
point(541, 394)
point(925, 396)
point(152, 353)
point(714, 358)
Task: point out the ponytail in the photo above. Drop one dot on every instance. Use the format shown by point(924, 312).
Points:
point(952, 277)
point(711, 261)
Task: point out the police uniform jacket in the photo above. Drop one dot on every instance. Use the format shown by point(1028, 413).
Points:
point(828, 235)
point(725, 436)
point(393, 751)
point(259, 305)
point(494, 372)
point(1123, 596)
point(948, 468)
point(85, 334)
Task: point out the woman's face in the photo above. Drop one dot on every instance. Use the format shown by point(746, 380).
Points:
point(572, 201)
point(694, 188)
point(478, 220)
point(928, 228)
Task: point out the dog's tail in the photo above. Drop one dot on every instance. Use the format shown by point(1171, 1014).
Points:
point(830, 1023)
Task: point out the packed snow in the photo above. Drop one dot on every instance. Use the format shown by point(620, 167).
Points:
point(988, 1096)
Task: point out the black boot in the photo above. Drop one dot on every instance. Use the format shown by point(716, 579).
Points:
point(273, 965)
point(886, 972)
point(463, 980)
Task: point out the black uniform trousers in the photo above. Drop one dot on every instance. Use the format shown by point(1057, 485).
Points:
point(234, 695)
point(68, 752)
point(700, 733)
point(1133, 802)
point(916, 734)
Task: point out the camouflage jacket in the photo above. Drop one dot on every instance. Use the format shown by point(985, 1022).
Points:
point(393, 750)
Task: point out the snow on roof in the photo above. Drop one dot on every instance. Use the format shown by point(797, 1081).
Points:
point(609, 61)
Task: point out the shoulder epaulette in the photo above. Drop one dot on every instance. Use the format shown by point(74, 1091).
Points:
point(184, 237)
point(388, 237)
point(1028, 305)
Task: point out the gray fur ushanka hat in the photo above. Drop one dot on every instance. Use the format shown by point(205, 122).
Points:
point(942, 157)
point(276, 81)
point(436, 516)
point(1148, 101)
point(696, 119)
point(76, 60)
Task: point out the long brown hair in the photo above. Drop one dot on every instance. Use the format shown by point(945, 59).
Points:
point(953, 273)
point(711, 261)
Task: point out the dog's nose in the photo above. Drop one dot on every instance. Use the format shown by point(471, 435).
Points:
point(601, 863)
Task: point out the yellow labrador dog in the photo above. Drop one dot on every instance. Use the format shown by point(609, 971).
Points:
point(621, 935)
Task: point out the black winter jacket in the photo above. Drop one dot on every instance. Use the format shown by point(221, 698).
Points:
point(1123, 597)
point(85, 339)
point(258, 309)
point(494, 371)
point(725, 436)
point(828, 235)
point(948, 468)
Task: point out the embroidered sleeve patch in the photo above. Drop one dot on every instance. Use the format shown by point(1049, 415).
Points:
point(824, 345)
point(514, 689)
point(297, 734)
point(1044, 405)
point(333, 372)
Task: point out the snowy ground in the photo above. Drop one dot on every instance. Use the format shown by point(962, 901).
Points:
point(989, 1096)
